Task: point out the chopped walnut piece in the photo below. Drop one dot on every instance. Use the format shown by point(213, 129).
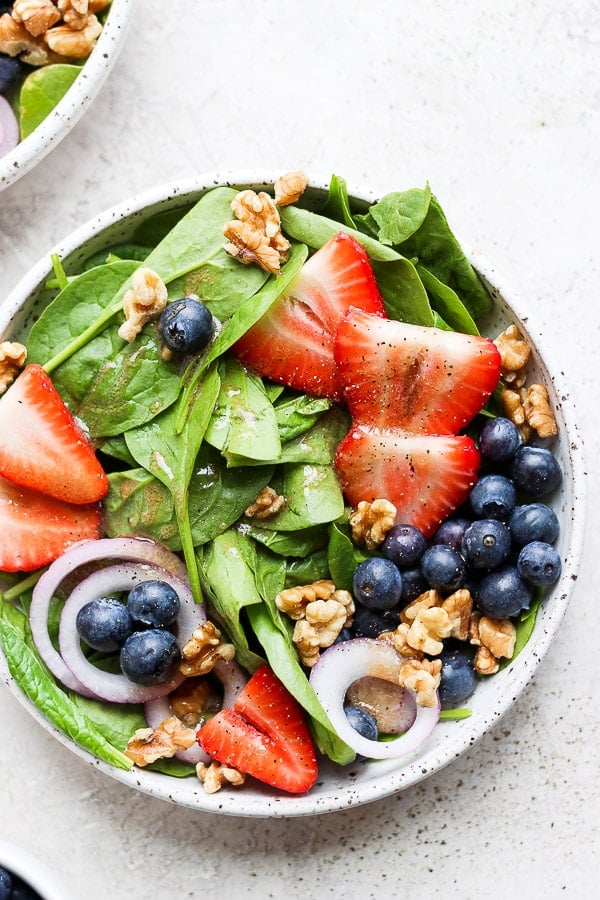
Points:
point(12, 358)
point(214, 776)
point(459, 607)
point(424, 601)
point(36, 15)
point(267, 504)
point(514, 354)
point(320, 612)
point(399, 638)
point(290, 187)
point(428, 630)
point(203, 650)
point(485, 663)
point(512, 406)
point(147, 745)
point(15, 40)
point(145, 300)
point(538, 412)
point(423, 678)
point(370, 522)
point(76, 43)
point(193, 700)
point(255, 234)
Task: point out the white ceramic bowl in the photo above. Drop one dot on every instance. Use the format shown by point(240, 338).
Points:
point(33, 872)
point(360, 783)
point(72, 106)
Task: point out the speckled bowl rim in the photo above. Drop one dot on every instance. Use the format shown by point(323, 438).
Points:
point(356, 785)
point(33, 872)
point(49, 133)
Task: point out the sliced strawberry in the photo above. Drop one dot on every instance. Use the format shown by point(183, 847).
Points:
point(293, 343)
point(425, 476)
point(265, 735)
point(423, 380)
point(42, 447)
point(36, 529)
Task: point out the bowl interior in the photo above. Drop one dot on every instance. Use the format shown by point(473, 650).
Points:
point(339, 788)
point(29, 152)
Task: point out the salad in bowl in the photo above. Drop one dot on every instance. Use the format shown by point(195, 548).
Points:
point(54, 57)
point(291, 498)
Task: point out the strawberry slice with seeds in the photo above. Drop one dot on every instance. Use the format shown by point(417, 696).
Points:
point(265, 735)
point(42, 447)
point(293, 342)
point(36, 529)
point(426, 477)
point(423, 380)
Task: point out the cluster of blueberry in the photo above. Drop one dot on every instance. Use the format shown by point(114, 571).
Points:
point(137, 629)
point(14, 888)
point(499, 546)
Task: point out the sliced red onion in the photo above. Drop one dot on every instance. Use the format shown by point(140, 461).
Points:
point(109, 685)
point(134, 550)
point(9, 128)
point(342, 665)
point(233, 679)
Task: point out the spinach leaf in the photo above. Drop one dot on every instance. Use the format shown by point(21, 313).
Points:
point(39, 686)
point(116, 447)
point(403, 294)
point(398, 215)
point(436, 248)
point(243, 421)
point(298, 413)
point(41, 91)
point(157, 227)
point(337, 205)
point(313, 497)
point(138, 502)
point(305, 571)
point(447, 303)
point(170, 456)
point(343, 556)
point(227, 567)
point(286, 543)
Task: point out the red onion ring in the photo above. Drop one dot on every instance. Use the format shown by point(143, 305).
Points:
point(232, 677)
point(137, 550)
point(342, 665)
point(9, 128)
point(111, 686)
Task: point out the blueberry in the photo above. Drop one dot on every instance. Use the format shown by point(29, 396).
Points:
point(186, 325)
point(344, 635)
point(502, 593)
point(150, 657)
point(6, 883)
point(499, 440)
point(457, 679)
point(539, 564)
point(377, 583)
point(362, 721)
point(535, 471)
point(153, 604)
point(104, 624)
point(486, 544)
point(414, 583)
point(22, 891)
point(10, 72)
point(493, 497)
point(404, 545)
point(443, 567)
point(533, 522)
point(451, 532)
point(368, 623)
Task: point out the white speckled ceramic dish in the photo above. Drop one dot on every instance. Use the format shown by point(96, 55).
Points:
point(360, 783)
point(33, 872)
point(29, 152)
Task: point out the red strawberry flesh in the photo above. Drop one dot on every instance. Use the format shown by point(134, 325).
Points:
point(423, 380)
point(42, 447)
point(265, 735)
point(36, 529)
point(293, 343)
point(425, 476)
